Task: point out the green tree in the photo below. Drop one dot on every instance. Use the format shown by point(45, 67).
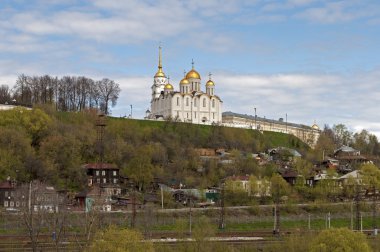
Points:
point(371, 180)
point(279, 189)
point(16, 154)
point(201, 233)
point(339, 240)
point(327, 189)
point(113, 239)
point(140, 168)
point(342, 136)
point(61, 156)
point(35, 122)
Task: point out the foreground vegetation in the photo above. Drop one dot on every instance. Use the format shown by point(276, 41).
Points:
point(51, 146)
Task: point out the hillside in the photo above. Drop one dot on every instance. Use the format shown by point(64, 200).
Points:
point(51, 146)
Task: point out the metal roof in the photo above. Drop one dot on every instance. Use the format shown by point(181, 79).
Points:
point(251, 117)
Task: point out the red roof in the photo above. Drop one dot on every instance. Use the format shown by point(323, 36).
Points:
point(6, 185)
point(99, 166)
point(241, 178)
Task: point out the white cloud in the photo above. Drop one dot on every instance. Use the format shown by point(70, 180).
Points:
point(339, 12)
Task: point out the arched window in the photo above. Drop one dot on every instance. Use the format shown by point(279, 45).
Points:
point(213, 103)
point(187, 101)
point(204, 102)
point(195, 102)
point(177, 101)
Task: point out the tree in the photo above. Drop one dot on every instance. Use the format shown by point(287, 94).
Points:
point(109, 92)
point(140, 168)
point(113, 239)
point(339, 239)
point(327, 189)
point(371, 180)
point(279, 189)
point(61, 156)
point(5, 94)
point(15, 153)
point(202, 231)
point(342, 135)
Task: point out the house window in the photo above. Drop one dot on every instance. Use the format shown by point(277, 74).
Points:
point(115, 181)
point(11, 204)
point(5, 203)
point(177, 101)
point(187, 115)
point(97, 173)
point(213, 103)
point(17, 203)
point(6, 193)
point(114, 173)
point(104, 180)
point(204, 102)
point(187, 101)
point(103, 173)
point(98, 180)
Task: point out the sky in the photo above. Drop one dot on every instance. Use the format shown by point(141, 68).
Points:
point(316, 61)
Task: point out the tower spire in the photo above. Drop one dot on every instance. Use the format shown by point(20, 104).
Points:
point(192, 63)
point(160, 57)
point(160, 73)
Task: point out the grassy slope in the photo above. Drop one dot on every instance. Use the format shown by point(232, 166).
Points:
point(275, 139)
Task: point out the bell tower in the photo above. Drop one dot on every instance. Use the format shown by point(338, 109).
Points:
point(160, 79)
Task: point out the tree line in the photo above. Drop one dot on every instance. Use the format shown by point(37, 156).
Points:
point(69, 93)
point(334, 137)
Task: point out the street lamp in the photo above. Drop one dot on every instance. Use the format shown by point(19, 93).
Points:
point(286, 122)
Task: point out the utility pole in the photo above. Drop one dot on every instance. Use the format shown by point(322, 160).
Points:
point(222, 209)
point(255, 119)
point(190, 217)
point(374, 211)
point(286, 123)
point(131, 111)
point(162, 197)
point(357, 207)
point(133, 223)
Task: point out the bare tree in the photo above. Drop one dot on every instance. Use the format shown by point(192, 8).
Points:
point(5, 94)
point(70, 93)
point(40, 206)
point(109, 92)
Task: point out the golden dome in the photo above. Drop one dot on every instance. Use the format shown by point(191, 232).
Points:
point(210, 83)
point(315, 126)
point(193, 74)
point(184, 81)
point(168, 86)
point(159, 73)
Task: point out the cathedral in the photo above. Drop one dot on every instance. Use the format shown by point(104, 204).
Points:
point(189, 104)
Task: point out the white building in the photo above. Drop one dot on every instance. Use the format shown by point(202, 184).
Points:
point(189, 104)
point(308, 134)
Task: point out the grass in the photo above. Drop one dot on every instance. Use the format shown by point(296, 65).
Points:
point(315, 224)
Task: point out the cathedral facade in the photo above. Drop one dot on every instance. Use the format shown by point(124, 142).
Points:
point(189, 104)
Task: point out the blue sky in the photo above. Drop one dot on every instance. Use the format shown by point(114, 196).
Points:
point(314, 60)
